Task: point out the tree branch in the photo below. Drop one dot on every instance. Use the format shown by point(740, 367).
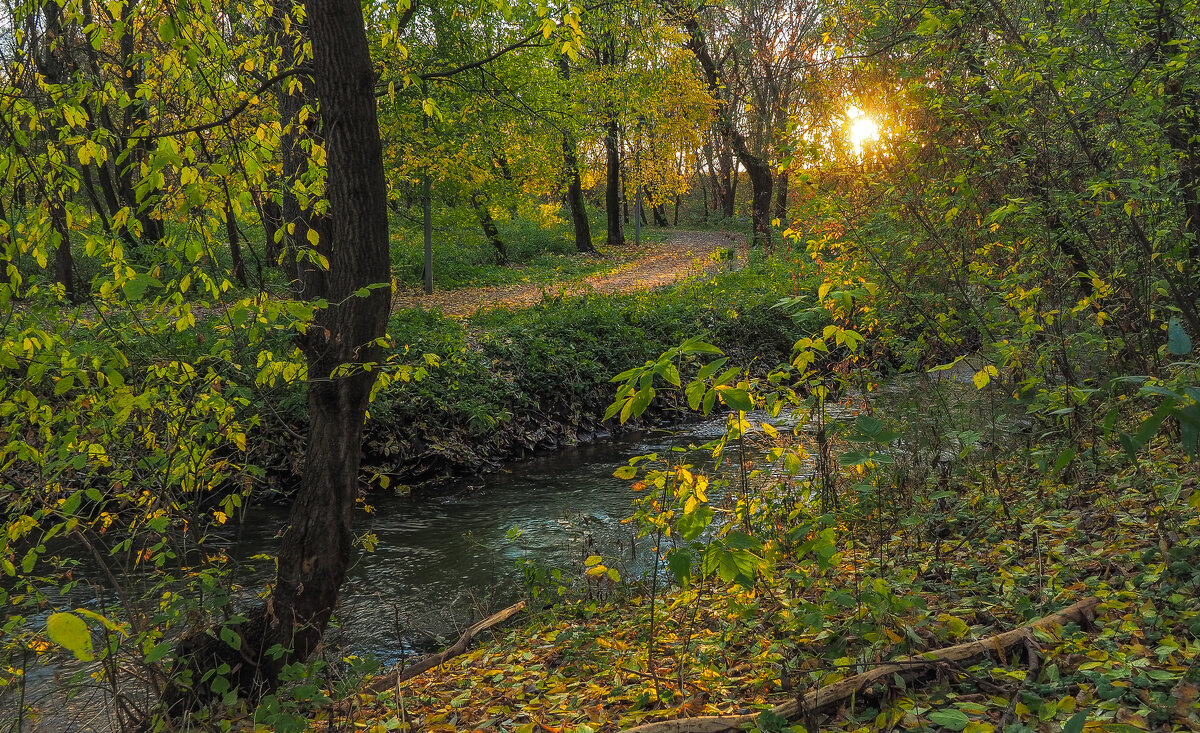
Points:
point(231, 114)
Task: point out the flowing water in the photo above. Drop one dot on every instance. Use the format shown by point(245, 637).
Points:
point(442, 561)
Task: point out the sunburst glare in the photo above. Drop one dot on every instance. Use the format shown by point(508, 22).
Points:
point(861, 128)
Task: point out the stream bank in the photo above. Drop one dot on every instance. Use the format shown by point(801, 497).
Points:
point(511, 383)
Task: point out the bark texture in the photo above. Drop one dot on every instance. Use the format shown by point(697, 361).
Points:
point(316, 547)
point(579, 217)
point(612, 192)
point(757, 167)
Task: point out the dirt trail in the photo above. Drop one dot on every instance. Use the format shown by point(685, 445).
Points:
point(681, 254)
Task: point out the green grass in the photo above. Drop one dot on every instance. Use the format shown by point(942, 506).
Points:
point(538, 252)
point(508, 378)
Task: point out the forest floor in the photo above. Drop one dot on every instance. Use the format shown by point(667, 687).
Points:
point(920, 573)
point(680, 254)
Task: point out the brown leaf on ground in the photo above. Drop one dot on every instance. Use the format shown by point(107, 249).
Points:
point(681, 254)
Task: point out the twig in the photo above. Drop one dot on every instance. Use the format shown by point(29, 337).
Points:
point(228, 116)
point(1032, 652)
point(907, 668)
point(388, 681)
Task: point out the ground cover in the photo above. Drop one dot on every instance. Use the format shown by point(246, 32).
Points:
point(898, 569)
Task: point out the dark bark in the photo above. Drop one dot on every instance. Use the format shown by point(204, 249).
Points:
point(296, 220)
point(50, 63)
point(235, 244)
point(612, 194)
point(64, 263)
point(579, 217)
point(781, 198)
point(756, 166)
point(660, 216)
point(727, 185)
point(271, 213)
point(507, 174)
point(316, 547)
point(488, 225)
point(136, 117)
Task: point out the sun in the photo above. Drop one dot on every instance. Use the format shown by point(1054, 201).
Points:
point(861, 129)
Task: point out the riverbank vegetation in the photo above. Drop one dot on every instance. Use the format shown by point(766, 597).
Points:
point(956, 360)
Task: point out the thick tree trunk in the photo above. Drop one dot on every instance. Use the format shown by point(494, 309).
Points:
point(579, 217)
point(612, 194)
point(761, 185)
point(316, 547)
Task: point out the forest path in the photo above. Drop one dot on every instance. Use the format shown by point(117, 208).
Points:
point(681, 254)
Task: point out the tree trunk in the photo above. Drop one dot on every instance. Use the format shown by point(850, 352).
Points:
point(64, 263)
point(235, 244)
point(316, 547)
point(51, 66)
point(729, 182)
point(296, 220)
point(612, 195)
point(781, 199)
point(136, 117)
point(579, 217)
point(756, 166)
point(761, 184)
point(488, 225)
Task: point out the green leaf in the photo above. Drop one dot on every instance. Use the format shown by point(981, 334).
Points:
point(231, 637)
point(736, 398)
point(1075, 724)
point(671, 374)
point(1178, 342)
point(157, 652)
point(135, 287)
point(679, 564)
point(70, 632)
point(696, 346)
point(868, 425)
point(951, 718)
point(770, 722)
point(854, 458)
point(711, 368)
point(167, 30)
point(641, 400)
point(625, 472)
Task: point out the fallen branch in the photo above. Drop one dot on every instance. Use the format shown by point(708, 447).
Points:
point(907, 668)
point(388, 681)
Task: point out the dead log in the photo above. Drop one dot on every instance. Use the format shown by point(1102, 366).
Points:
point(908, 668)
point(388, 681)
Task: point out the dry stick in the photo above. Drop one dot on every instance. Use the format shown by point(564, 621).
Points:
point(387, 681)
point(908, 668)
point(1032, 652)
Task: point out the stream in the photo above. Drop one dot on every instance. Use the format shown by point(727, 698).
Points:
point(443, 561)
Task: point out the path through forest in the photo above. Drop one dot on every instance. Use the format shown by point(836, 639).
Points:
point(681, 254)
